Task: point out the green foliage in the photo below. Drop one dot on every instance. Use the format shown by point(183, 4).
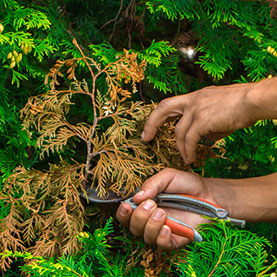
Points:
point(94, 259)
point(249, 152)
point(162, 68)
point(227, 251)
point(27, 34)
point(229, 33)
point(233, 41)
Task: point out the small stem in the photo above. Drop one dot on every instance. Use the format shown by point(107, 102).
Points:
point(92, 76)
point(92, 155)
point(107, 66)
point(72, 129)
point(267, 269)
point(84, 57)
point(219, 260)
point(95, 119)
point(114, 19)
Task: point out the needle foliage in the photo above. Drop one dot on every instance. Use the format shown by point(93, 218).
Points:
point(77, 82)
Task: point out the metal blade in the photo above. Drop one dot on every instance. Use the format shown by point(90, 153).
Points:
point(91, 195)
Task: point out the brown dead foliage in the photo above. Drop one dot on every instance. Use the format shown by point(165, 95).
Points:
point(46, 213)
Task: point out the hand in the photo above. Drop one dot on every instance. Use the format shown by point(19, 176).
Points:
point(251, 199)
point(148, 221)
point(212, 111)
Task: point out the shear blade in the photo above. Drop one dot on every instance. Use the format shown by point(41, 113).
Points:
point(92, 195)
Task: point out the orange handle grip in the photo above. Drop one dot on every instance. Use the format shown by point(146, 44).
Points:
point(180, 230)
point(183, 230)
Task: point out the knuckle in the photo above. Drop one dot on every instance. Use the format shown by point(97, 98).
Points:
point(168, 170)
point(164, 104)
point(135, 231)
point(178, 130)
point(191, 138)
point(163, 244)
point(148, 240)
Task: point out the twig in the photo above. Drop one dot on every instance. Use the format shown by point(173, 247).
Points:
point(95, 119)
point(97, 153)
point(114, 19)
point(267, 269)
point(219, 260)
point(84, 57)
point(109, 65)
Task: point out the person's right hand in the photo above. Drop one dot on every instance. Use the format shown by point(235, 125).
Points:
point(148, 220)
point(212, 111)
point(251, 199)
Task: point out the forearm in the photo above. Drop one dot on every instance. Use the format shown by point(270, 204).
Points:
point(262, 100)
point(252, 199)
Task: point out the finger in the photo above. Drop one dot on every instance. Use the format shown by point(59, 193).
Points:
point(192, 138)
point(140, 216)
point(123, 213)
point(181, 130)
point(154, 225)
point(168, 241)
point(155, 184)
point(168, 108)
point(164, 239)
point(172, 181)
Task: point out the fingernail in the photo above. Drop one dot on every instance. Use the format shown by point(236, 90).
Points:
point(140, 193)
point(149, 204)
point(142, 135)
point(164, 231)
point(158, 214)
point(123, 211)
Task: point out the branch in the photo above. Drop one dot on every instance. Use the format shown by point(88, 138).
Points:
point(267, 269)
point(95, 119)
point(219, 260)
point(114, 19)
point(107, 66)
point(92, 155)
point(84, 57)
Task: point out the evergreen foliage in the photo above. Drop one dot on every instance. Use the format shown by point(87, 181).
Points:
point(227, 251)
point(44, 165)
point(228, 32)
point(45, 212)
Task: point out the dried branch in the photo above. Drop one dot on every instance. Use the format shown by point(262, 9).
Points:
point(116, 158)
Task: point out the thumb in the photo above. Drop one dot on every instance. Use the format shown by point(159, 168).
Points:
point(171, 181)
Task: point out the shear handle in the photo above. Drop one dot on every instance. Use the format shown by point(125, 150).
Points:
point(181, 229)
point(177, 227)
point(192, 200)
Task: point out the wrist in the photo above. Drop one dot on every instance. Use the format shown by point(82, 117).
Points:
point(261, 99)
point(252, 199)
point(226, 196)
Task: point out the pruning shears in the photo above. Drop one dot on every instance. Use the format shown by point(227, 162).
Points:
point(178, 201)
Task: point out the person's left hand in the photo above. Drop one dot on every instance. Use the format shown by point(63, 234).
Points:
point(148, 220)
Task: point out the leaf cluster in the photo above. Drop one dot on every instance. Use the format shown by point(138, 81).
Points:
point(45, 210)
point(93, 258)
point(227, 251)
point(87, 129)
point(229, 34)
